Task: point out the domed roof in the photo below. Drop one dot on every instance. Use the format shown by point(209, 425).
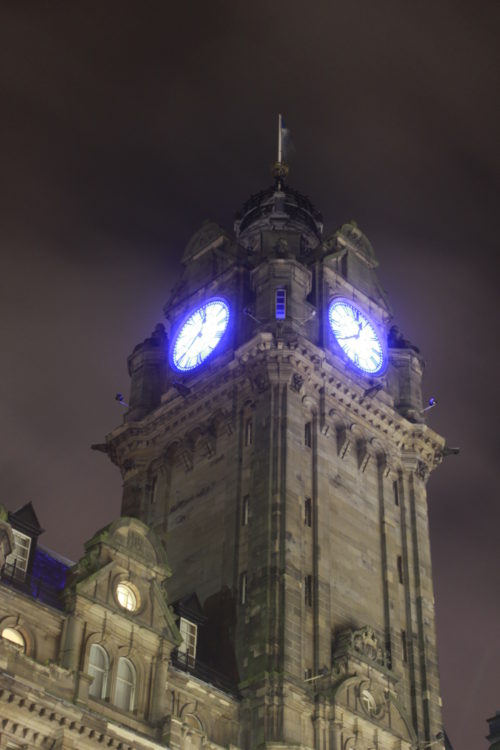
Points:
point(279, 207)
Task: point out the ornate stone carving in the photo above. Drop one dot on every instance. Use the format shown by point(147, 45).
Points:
point(204, 237)
point(364, 643)
point(297, 382)
point(350, 236)
point(422, 471)
point(261, 382)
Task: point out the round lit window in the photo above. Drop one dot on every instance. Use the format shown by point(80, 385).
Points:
point(14, 636)
point(368, 702)
point(127, 597)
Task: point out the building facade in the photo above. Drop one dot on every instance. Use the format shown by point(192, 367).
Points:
point(269, 582)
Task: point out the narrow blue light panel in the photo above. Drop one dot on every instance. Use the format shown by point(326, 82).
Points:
point(280, 304)
point(200, 334)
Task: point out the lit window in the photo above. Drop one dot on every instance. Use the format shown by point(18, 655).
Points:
point(99, 670)
point(244, 513)
point(125, 685)
point(127, 598)
point(18, 558)
point(15, 637)
point(280, 304)
point(189, 633)
point(307, 434)
point(368, 702)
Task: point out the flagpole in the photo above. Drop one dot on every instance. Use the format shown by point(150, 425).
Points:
point(279, 139)
point(280, 170)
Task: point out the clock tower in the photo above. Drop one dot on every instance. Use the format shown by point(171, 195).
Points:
point(275, 441)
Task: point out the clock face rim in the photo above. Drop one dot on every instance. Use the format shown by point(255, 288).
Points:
point(374, 327)
point(180, 326)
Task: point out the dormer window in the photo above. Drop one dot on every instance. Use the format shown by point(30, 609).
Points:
point(19, 557)
point(189, 633)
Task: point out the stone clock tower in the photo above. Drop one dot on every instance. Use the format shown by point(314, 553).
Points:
point(275, 441)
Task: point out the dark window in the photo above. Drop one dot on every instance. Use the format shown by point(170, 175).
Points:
point(395, 488)
point(249, 431)
point(308, 434)
point(343, 265)
point(400, 569)
point(308, 591)
point(404, 645)
point(243, 588)
point(153, 491)
point(244, 511)
point(280, 304)
point(308, 511)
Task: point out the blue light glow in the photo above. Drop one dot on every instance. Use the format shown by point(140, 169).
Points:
point(356, 336)
point(280, 304)
point(200, 334)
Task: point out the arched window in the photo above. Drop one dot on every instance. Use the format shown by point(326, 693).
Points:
point(15, 637)
point(125, 684)
point(99, 670)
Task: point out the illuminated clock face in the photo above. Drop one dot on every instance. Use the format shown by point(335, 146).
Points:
point(200, 334)
point(356, 336)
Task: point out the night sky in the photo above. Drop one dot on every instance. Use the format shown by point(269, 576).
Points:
point(124, 126)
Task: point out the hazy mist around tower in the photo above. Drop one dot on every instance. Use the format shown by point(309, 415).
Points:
point(123, 130)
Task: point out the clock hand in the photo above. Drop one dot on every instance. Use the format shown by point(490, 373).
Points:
point(188, 347)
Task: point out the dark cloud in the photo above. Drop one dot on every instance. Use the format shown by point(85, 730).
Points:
point(123, 128)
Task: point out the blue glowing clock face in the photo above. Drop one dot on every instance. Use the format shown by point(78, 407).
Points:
point(356, 336)
point(200, 334)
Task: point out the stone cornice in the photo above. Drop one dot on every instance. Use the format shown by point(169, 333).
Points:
point(35, 716)
point(320, 376)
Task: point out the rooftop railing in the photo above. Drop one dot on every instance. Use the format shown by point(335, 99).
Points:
point(13, 576)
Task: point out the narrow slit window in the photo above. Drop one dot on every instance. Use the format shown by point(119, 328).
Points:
point(280, 304)
point(343, 265)
point(308, 434)
point(308, 511)
point(249, 431)
point(243, 588)
point(153, 491)
point(395, 488)
point(400, 569)
point(244, 511)
point(308, 591)
point(404, 645)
